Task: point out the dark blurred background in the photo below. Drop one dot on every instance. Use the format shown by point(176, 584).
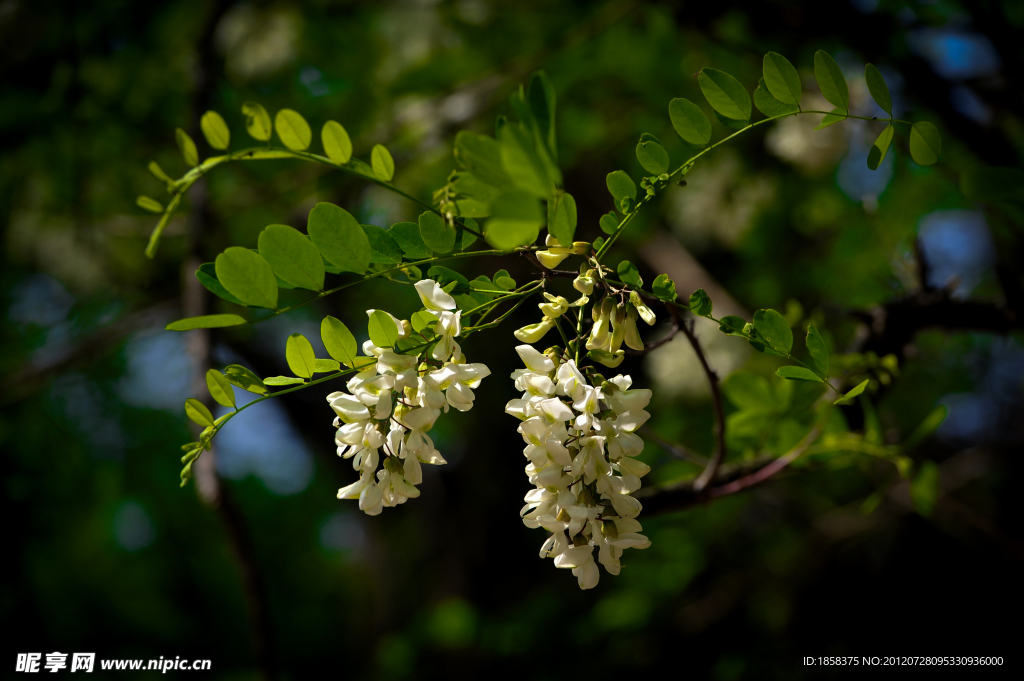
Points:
point(266, 573)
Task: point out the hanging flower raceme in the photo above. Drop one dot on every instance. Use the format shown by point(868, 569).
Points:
point(581, 443)
point(384, 418)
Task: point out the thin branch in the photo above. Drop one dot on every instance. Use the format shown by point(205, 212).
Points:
point(716, 401)
point(672, 448)
point(648, 347)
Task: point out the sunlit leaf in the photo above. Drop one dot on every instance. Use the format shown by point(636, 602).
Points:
point(215, 130)
point(768, 105)
point(832, 118)
point(159, 174)
point(187, 147)
point(257, 121)
point(247, 276)
point(652, 155)
point(152, 205)
point(338, 236)
point(220, 388)
point(299, 355)
point(689, 121)
point(198, 412)
point(925, 143)
point(878, 150)
point(516, 218)
point(293, 130)
point(292, 256)
point(207, 276)
point(700, 303)
point(407, 236)
point(282, 380)
point(609, 223)
point(562, 218)
point(522, 163)
point(782, 79)
point(774, 329)
point(629, 274)
point(731, 325)
point(382, 163)
point(210, 321)
point(621, 185)
point(339, 341)
point(324, 366)
point(238, 375)
point(854, 392)
point(725, 94)
point(831, 80)
point(337, 144)
point(382, 329)
point(664, 288)
point(437, 234)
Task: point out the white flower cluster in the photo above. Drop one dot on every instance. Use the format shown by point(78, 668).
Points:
point(580, 441)
point(394, 402)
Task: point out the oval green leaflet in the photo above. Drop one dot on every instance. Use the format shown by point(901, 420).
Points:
point(831, 80)
point(407, 236)
point(247, 276)
point(768, 105)
point(187, 147)
point(700, 303)
point(257, 121)
point(293, 130)
point(383, 248)
point(220, 389)
point(878, 150)
point(854, 392)
point(877, 87)
point(210, 321)
point(664, 288)
point(562, 218)
point(300, 357)
point(215, 130)
point(689, 121)
point(292, 256)
point(339, 237)
point(609, 223)
point(652, 155)
point(516, 217)
point(725, 94)
point(337, 144)
point(198, 412)
point(797, 374)
point(146, 203)
point(629, 274)
point(437, 234)
point(245, 379)
point(925, 143)
point(339, 341)
point(782, 79)
point(383, 164)
point(382, 329)
point(621, 186)
point(774, 329)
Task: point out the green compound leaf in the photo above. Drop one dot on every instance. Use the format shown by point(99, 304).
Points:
point(768, 105)
point(300, 357)
point(292, 256)
point(521, 162)
point(877, 87)
point(925, 143)
point(293, 130)
point(215, 130)
point(383, 330)
point(243, 378)
point(198, 412)
point(664, 288)
point(187, 146)
point(247, 276)
point(689, 121)
point(282, 380)
point(257, 121)
point(562, 218)
point(832, 118)
point(436, 233)
point(383, 164)
point(621, 186)
point(924, 488)
point(700, 303)
point(818, 350)
point(516, 218)
point(774, 329)
point(854, 392)
point(878, 150)
point(797, 374)
point(338, 236)
point(210, 321)
point(324, 366)
point(831, 80)
point(207, 276)
point(609, 223)
point(337, 144)
point(652, 155)
point(220, 388)
point(152, 205)
point(383, 247)
point(339, 341)
point(629, 274)
point(407, 236)
point(725, 94)
point(782, 79)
